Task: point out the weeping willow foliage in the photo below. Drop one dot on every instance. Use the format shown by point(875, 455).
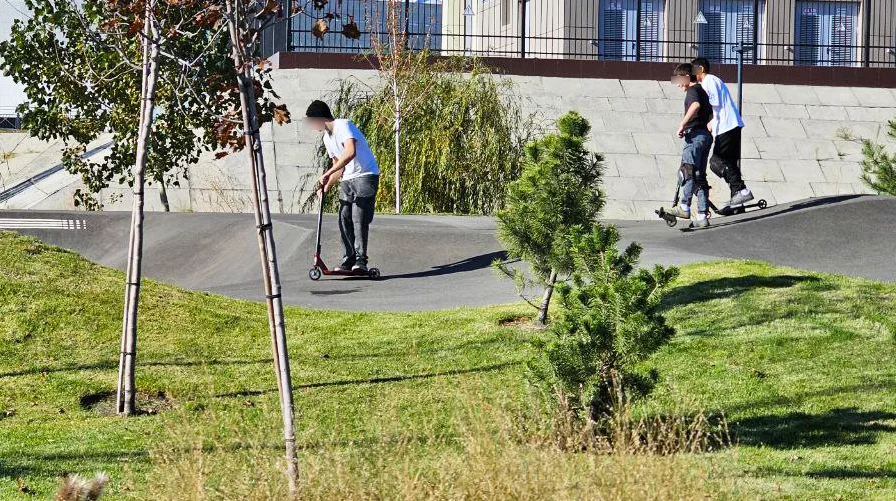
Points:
point(463, 134)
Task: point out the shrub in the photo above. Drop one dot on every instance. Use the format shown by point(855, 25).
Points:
point(879, 167)
point(462, 140)
point(610, 321)
point(557, 194)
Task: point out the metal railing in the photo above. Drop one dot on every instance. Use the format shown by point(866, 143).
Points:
point(10, 118)
point(774, 32)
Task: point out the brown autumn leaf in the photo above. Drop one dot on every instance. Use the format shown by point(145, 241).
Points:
point(209, 17)
point(281, 114)
point(298, 10)
point(320, 28)
point(350, 29)
point(135, 27)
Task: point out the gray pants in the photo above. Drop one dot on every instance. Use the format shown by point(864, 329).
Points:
point(357, 200)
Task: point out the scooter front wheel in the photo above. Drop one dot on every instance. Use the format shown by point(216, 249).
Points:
point(314, 273)
point(374, 273)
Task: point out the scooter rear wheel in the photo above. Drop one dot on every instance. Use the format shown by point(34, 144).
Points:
point(374, 273)
point(314, 273)
point(762, 204)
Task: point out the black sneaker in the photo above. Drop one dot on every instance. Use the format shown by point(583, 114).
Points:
point(347, 265)
point(359, 268)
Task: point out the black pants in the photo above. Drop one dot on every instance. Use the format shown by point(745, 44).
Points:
point(726, 159)
point(357, 200)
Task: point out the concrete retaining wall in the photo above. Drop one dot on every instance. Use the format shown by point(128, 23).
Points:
point(796, 143)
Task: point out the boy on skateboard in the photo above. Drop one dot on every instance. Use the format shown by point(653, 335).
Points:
point(354, 162)
point(726, 125)
point(697, 141)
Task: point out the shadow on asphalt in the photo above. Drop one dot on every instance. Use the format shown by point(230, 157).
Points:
point(756, 215)
point(470, 264)
point(728, 287)
point(376, 380)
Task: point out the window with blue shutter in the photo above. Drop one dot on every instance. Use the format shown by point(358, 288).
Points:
point(619, 30)
point(728, 23)
point(825, 33)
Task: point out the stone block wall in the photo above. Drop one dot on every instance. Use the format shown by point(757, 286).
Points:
point(799, 142)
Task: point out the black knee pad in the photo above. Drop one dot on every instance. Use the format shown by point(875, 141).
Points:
point(718, 167)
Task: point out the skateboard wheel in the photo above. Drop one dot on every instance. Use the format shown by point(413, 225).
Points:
point(671, 222)
point(374, 273)
point(314, 273)
point(762, 204)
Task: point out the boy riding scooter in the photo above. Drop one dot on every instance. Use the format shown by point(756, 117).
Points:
point(726, 126)
point(354, 162)
point(697, 141)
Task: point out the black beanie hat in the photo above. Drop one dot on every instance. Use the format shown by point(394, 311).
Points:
point(319, 109)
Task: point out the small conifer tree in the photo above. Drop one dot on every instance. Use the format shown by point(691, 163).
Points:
point(879, 166)
point(610, 321)
point(558, 194)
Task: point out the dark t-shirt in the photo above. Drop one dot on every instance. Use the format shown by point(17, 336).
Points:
point(696, 94)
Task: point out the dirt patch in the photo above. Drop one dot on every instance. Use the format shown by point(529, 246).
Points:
point(519, 322)
point(148, 403)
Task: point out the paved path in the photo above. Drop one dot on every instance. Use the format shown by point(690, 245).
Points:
point(434, 262)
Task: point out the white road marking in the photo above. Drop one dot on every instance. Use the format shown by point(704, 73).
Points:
point(42, 224)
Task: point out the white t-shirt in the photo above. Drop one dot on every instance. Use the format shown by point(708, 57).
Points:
point(364, 163)
point(725, 115)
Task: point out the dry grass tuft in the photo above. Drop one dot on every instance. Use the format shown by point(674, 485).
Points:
point(621, 432)
point(78, 488)
point(487, 456)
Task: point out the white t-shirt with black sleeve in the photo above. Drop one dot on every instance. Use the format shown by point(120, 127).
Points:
point(725, 113)
point(364, 163)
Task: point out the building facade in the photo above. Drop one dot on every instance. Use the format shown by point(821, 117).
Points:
point(802, 32)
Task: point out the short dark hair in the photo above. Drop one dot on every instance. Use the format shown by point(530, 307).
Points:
point(684, 70)
point(319, 109)
point(701, 61)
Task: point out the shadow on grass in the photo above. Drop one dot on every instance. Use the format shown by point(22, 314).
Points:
point(113, 364)
point(58, 463)
point(728, 287)
point(376, 380)
point(846, 426)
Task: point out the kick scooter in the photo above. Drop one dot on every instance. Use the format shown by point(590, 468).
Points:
point(319, 268)
point(671, 220)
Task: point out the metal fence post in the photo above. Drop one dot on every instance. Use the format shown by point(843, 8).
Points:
point(740, 76)
point(638, 33)
point(523, 29)
point(755, 31)
point(866, 59)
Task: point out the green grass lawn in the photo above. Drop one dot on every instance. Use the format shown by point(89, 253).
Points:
point(800, 364)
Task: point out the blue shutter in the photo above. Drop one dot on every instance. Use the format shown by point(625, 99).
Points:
point(612, 30)
point(651, 30)
point(843, 36)
point(712, 34)
point(808, 33)
point(825, 33)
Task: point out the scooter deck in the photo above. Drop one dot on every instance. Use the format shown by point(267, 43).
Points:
point(671, 220)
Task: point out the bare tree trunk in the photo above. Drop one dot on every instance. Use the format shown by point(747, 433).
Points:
point(546, 299)
point(126, 395)
point(397, 155)
point(266, 246)
point(163, 195)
